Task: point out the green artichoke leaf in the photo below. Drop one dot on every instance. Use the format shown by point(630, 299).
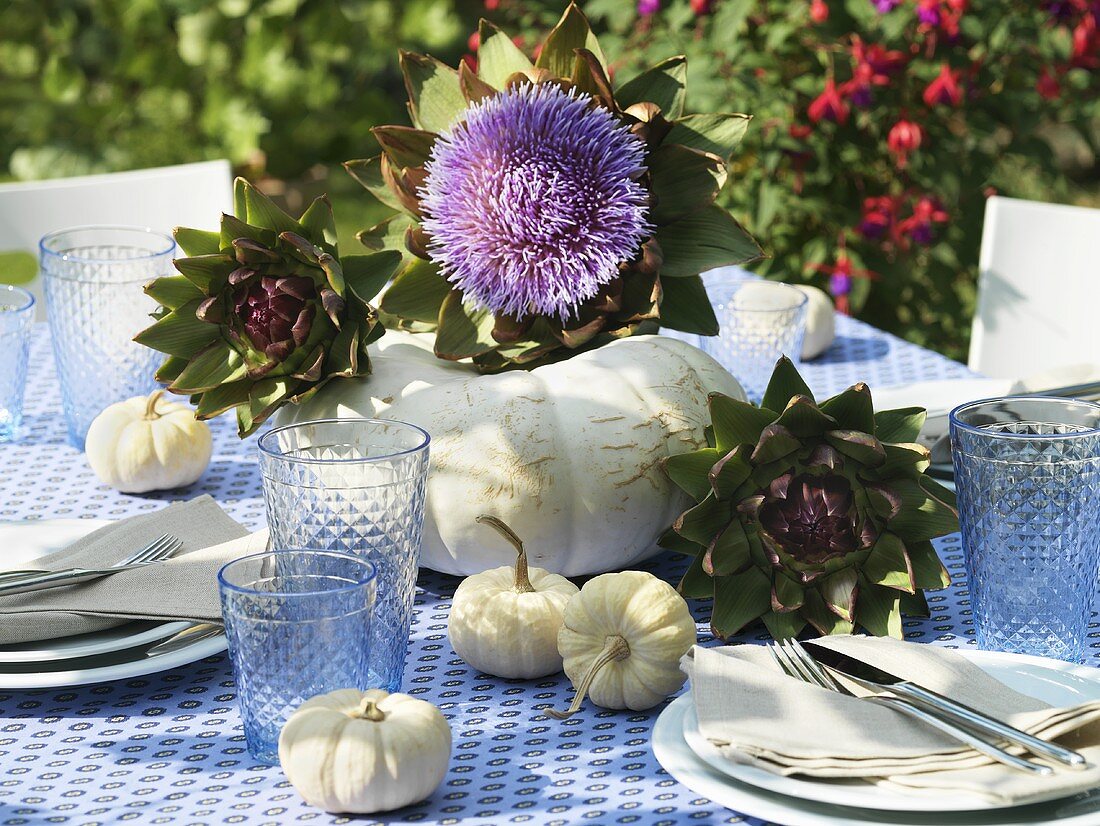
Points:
point(404, 145)
point(695, 583)
point(498, 58)
point(902, 460)
point(858, 445)
point(805, 419)
point(701, 523)
point(474, 89)
point(738, 600)
point(840, 591)
point(435, 97)
point(233, 228)
point(266, 396)
point(821, 618)
point(703, 240)
point(683, 180)
point(246, 426)
point(775, 443)
point(197, 241)
point(853, 409)
point(674, 542)
point(417, 293)
point(902, 425)
point(207, 272)
point(928, 571)
point(784, 626)
point(719, 133)
point(915, 604)
point(559, 50)
point(319, 222)
point(938, 491)
point(879, 610)
point(689, 471)
point(179, 332)
point(463, 332)
point(730, 472)
point(343, 354)
point(728, 552)
point(920, 516)
point(366, 275)
point(890, 565)
point(173, 291)
point(787, 595)
point(785, 383)
point(368, 172)
point(388, 234)
point(685, 306)
point(736, 422)
point(172, 367)
point(214, 402)
point(589, 76)
point(664, 84)
point(262, 212)
point(215, 365)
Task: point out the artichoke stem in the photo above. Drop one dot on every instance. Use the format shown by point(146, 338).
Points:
point(523, 580)
point(151, 404)
point(615, 647)
point(369, 710)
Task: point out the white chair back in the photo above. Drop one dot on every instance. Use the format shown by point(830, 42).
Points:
point(1038, 289)
point(192, 195)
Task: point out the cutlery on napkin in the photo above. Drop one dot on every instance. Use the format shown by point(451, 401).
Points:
point(181, 588)
point(753, 713)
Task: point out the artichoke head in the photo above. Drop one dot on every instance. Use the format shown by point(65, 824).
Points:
point(686, 164)
point(809, 514)
point(264, 311)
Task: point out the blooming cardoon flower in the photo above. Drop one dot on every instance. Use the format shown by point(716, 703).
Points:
point(829, 105)
point(533, 202)
point(944, 89)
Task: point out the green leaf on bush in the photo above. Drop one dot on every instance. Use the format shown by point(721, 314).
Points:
point(703, 240)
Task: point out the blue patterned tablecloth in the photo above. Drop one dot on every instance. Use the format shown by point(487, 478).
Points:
point(168, 749)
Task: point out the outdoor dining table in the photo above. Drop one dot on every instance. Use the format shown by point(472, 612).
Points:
point(168, 748)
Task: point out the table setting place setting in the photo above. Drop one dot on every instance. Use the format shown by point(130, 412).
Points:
point(490, 498)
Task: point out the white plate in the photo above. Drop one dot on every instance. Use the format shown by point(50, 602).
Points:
point(786, 800)
point(111, 654)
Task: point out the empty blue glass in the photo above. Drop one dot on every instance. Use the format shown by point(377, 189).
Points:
point(94, 279)
point(298, 624)
point(759, 321)
point(1027, 471)
point(16, 318)
point(355, 485)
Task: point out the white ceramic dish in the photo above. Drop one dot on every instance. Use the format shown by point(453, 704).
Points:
point(130, 635)
point(801, 802)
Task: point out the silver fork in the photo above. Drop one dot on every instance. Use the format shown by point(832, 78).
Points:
point(149, 551)
point(796, 663)
point(161, 548)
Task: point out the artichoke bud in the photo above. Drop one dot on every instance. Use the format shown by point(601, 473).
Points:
point(833, 504)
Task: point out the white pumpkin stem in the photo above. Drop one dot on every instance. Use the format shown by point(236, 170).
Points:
point(151, 404)
point(369, 710)
point(523, 579)
point(615, 647)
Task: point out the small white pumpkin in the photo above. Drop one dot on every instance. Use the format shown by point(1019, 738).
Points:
point(820, 322)
point(622, 641)
point(505, 621)
point(148, 443)
point(365, 751)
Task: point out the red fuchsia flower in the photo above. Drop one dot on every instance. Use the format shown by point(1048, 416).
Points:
point(841, 273)
point(471, 61)
point(473, 42)
point(884, 6)
point(492, 5)
point(879, 215)
point(904, 137)
point(945, 89)
point(829, 105)
point(647, 8)
point(701, 7)
point(800, 131)
point(928, 12)
point(1047, 85)
point(874, 66)
point(819, 11)
point(918, 226)
point(1063, 11)
point(1086, 44)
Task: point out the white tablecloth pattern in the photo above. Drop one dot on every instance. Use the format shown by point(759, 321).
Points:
point(168, 749)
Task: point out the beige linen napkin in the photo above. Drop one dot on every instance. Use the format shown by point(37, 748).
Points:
point(183, 587)
point(753, 713)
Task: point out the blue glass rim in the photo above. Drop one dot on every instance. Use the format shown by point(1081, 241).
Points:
point(370, 574)
point(265, 442)
point(956, 422)
point(802, 301)
point(167, 248)
point(26, 295)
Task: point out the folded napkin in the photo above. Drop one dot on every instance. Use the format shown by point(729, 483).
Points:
point(753, 713)
point(183, 587)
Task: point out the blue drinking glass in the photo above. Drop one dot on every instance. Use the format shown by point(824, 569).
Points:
point(16, 318)
point(298, 624)
point(355, 485)
point(94, 279)
point(1027, 471)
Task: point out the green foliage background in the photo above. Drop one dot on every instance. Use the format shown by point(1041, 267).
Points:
point(287, 89)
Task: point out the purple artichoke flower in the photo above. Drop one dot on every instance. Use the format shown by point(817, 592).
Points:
point(813, 518)
point(533, 202)
point(276, 313)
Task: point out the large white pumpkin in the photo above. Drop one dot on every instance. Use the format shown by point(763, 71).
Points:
point(566, 454)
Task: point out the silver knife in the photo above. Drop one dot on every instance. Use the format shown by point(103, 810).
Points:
point(856, 669)
point(196, 632)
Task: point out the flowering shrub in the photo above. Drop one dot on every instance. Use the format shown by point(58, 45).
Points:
point(881, 127)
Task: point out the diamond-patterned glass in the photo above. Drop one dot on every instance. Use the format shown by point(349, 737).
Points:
point(1028, 479)
point(355, 485)
point(94, 279)
point(298, 625)
point(759, 321)
point(16, 318)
